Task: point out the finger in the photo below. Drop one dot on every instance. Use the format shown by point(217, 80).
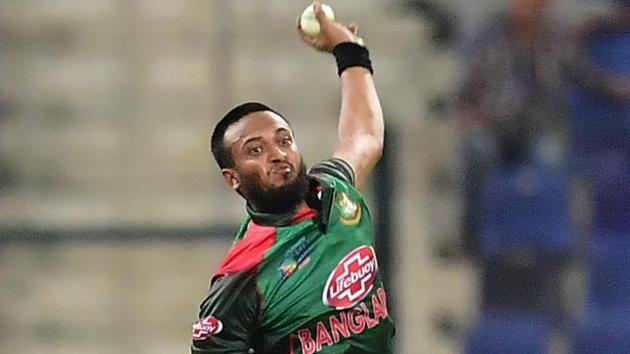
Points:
point(353, 28)
point(305, 38)
point(298, 27)
point(319, 13)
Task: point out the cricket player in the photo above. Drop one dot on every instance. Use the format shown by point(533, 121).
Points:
point(302, 275)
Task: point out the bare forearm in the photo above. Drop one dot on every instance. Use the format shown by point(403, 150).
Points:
point(361, 112)
point(361, 126)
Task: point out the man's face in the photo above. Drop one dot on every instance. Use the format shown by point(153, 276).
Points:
point(267, 163)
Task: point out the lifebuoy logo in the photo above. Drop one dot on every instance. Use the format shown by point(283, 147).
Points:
point(206, 327)
point(352, 279)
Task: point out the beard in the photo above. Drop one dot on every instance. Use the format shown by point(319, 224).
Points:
point(275, 200)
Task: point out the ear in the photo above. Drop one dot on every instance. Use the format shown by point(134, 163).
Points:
point(229, 176)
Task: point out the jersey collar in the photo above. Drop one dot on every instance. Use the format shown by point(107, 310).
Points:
point(283, 219)
point(268, 219)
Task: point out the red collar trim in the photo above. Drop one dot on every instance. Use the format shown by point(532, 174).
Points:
point(303, 214)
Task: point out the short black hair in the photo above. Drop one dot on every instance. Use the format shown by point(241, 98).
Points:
point(221, 152)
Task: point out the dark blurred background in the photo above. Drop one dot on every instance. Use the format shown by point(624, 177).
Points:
point(502, 204)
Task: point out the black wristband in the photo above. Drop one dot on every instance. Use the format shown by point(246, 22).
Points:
point(349, 54)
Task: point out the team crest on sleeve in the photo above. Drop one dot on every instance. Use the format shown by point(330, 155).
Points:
point(350, 210)
point(352, 279)
point(206, 327)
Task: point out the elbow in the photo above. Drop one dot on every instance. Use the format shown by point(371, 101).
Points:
point(373, 147)
point(362, 150)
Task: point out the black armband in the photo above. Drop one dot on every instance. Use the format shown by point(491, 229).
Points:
point(349, 54)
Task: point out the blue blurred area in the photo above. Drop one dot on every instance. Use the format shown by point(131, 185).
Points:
point(508, 332)
point(598, 124)
point(610, 49)
point(603, 331)
point(524, 207)
point(611, 193)
point(520, 219)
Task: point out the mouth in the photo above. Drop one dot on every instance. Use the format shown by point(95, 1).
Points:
point(281, 168)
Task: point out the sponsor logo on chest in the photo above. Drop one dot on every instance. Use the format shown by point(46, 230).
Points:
point(352, 279)
point(344, 324)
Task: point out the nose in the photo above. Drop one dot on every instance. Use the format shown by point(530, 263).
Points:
point(277, 153)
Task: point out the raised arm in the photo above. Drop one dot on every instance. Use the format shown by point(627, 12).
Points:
point(360, 128)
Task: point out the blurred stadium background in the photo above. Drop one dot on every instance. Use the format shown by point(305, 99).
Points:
point(113, 214)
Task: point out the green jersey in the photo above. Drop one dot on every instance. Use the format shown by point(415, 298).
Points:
point(307, 282)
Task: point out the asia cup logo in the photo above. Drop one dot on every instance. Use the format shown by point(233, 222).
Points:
point(352, 279)
point(206, 327)
point(297, 257)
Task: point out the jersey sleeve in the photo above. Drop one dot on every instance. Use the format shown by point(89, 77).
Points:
point(335, 167)
point(228, 316)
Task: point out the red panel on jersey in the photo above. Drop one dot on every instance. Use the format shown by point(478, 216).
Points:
point(303, 214)
point(248, 252)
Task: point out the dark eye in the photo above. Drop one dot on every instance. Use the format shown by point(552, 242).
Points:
point(286, 140)
point(256, 150)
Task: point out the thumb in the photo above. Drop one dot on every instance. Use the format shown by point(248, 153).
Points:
point(353, 28)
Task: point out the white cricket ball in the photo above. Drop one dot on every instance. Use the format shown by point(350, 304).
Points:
point(309, 23)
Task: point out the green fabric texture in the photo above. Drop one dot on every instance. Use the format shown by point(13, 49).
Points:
point(317, 289)
point(295, 302)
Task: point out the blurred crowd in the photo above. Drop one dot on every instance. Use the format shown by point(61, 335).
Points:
point(544, 125)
